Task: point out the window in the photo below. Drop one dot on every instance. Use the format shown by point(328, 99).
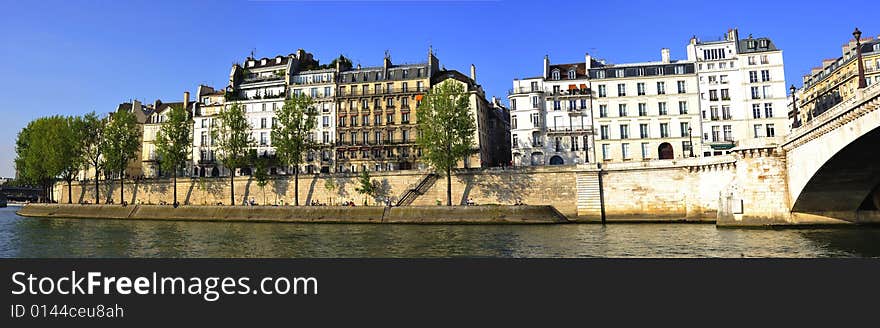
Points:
point(771, 131)
point(767, 92)
point(556, 105)
point(605, 153)
point(765, 75)
point(404, 85)
point(583, 104)
point(204, 138)
point(602, 92)
point(643, 109)
point(536, 139)
point(555, 89)
point(557, 144)
point(263, 122)
point(534, 101)
point(377, 120)
point(621, 90)
point(624, 131)
point(682, 88)
point(404, 135)
point(716, 133)
point(513, 121)
point(714, 111)
point(326, 121)
point(728, 133)
point(619, 73)
point(342, 121)
point(624, 150)
point(263, 107)
point(204, 123)
point(603, 110)
point(365, 120)
point(640, 88)
point(679, 69)
point(643, 131)
point(661, 107)
point(725, 94)
point(722, 79)
point(534, 86)
point(555, 74)
point(513, 104)
point(419, 86)
point(571, 75)
point(621, 109)
point(536, 120)
point(713, 79)
point(603, 132)
point(751, 60)
point(514, 140)
point(713, 95)
point(404, 102)
point(389, 119)
point(574, 143)
point(389, 102)
point(682, 107)
point(764, 59)
point(756, 93)
point(768, 110)
point(759, 130)
point(685, 127)
point(404, 118)
point(645, 152)
point(661, 88)
point(664, 130)
point(264, 139)
point(572, 104)
point(756, 110)
point(725, 112)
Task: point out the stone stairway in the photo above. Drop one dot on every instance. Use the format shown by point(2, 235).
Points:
point(411, 194)
point(588, 202)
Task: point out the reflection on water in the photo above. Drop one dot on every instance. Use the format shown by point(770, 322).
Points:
point(26, 237)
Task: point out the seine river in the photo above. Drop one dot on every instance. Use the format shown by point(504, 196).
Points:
point(28, 237)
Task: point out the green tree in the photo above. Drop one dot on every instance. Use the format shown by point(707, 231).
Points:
point(261, 174)
point(40, 150)
point(233, 139)
point(331, 186)
point(174, 142)
point(365, 186)
point(71, 133)
point(122, 139)
point(446, 129)
point(93, 136)
point(292, 135)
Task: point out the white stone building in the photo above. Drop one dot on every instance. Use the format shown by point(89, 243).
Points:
point(645, 111)
point(550, 116)
point(320, 85)
point(742, 90)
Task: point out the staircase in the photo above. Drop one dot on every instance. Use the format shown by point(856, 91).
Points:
point(410, 195)
point(588, 202)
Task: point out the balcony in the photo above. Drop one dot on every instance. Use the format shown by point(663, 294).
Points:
point(207, 161)
point(578, 130)
point(256, 79)
point(523, 90)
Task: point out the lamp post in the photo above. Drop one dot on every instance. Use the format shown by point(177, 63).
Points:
point(794, 109)
point(858, 35)
point(691, 141)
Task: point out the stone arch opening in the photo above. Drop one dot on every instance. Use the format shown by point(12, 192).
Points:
point(556, 160)
point(665, 151)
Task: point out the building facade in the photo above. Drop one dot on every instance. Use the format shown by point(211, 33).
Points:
point(209, 102)
point(550, 116)
point(836, 80)
point(320, 85)
point(376, 121)
point(645, 111)
point(742, 90)
point(156, 115)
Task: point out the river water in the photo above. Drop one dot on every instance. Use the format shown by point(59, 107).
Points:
point(30, 237)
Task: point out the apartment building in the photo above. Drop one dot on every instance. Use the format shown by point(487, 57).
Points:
point(320, 85)
point(376, 121)
point(156, 115)
point(645, 111)
point(209, 102)
point(742, 90)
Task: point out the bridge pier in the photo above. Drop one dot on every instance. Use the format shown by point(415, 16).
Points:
point(758, 194)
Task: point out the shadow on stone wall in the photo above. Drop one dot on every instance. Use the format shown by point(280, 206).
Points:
point(280, 186)
point(503, 186)
point(383, 190)
point(155, 187)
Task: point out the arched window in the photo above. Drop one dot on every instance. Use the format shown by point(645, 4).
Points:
point(556, 74)
point(571, 74)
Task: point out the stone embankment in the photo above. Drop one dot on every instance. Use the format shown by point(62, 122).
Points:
point(306, 214)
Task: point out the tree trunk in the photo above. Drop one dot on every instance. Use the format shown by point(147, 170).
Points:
point(175, 187)
point(296, 186)
point(448, 186)
point(121, 186)
point(232, 186)
point(69, 193)
point(97, 188)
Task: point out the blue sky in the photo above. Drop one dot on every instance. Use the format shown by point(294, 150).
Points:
point(72, 57)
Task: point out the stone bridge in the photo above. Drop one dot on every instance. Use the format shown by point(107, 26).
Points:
point(833, 162)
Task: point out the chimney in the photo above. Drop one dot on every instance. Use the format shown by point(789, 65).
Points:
point(588, 60)
point(474, 73)
point(664, 55)
point(732, 34)
point(546, 66)
point(186, 100)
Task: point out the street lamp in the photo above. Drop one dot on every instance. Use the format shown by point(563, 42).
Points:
point(858, 35)
point(797, 116)
point(691, 141)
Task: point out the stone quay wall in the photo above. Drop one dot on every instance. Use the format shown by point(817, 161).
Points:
point(668, 190)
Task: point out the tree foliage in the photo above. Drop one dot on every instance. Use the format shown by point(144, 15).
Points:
point(93, 136)
point(174, 142)
point(231, 135)
point(122, 139)
point(365, 186)
point(42, 151)
point(446, 129)
point(292, 134)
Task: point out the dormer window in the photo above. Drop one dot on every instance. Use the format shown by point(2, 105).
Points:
point(571, 74)
point(618, 73)
point(263, 61)
point(250, 63)
point(278, 60)
point(751, 44)
point(555, 74)
point(765, 43)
